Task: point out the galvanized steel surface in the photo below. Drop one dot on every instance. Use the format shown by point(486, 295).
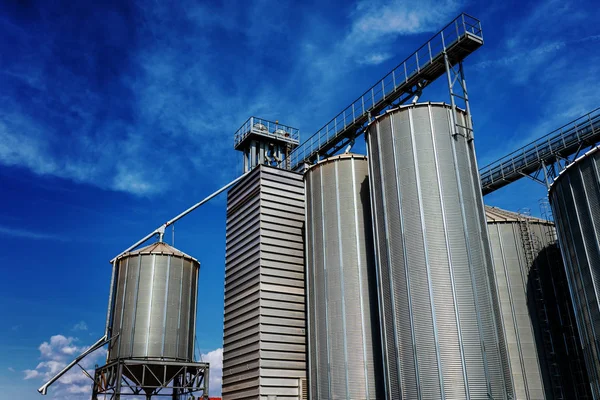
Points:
point(155, 304)
point(575, 200)
point(513, 273)
point(441, 330)
point(343, 323)
point(264, 339)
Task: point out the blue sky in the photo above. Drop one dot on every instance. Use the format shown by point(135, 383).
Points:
point(117, 116)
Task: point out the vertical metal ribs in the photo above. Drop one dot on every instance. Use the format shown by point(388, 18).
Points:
point(531, 248)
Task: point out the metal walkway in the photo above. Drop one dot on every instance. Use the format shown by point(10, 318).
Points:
point(453, 43)
point(542, 155)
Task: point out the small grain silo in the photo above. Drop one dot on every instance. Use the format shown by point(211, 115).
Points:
point(575, 200)
point(343, 324)
point(155, 304)
point(441, 329)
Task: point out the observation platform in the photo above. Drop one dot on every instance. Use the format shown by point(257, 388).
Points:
point(530, 159)
point(457, 40)
point(261, 129)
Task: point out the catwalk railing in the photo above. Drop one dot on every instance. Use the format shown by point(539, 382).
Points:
point(544, 152)
point(458, 39)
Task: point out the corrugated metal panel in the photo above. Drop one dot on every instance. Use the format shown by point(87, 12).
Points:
point(154, 304)
point(575, 200)
point(566, 355)
point(344, 360)
point(442, 330)
point(264, 329)
point(512, 271)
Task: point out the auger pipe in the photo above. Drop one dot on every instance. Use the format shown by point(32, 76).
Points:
point(161, 229)
point(101, 342)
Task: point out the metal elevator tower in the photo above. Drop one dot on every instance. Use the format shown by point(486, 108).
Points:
point(266, 142)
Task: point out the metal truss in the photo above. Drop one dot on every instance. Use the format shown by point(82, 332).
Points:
point(445, 49)
point(131, 377)
point(457, 86)
point(543, 159)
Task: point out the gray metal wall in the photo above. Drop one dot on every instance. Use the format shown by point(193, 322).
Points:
point(442, 334)
point(155, 304)
point(343, 323)
point(264, 339)
point(575, 200)
point(513, 271)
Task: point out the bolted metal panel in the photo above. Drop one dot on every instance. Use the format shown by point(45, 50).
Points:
point(441, 328)
point(511, 235)
point(575, 200)
point(343, 329)
point(264, 345)
point(154, 310)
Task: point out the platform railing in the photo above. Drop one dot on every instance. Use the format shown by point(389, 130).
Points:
point(401, 78)
point(267, 128)
point(560, 143)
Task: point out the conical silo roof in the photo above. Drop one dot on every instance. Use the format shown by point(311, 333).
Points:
point(159, 248)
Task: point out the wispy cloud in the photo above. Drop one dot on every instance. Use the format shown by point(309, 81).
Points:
point(377, 20)
point(80, 326)
point(11, 369)
point(27, 234)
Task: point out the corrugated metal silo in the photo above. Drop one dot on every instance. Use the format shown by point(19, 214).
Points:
point(155, 304)
point(343, 324)
point(564, 366)
point(575, 200)
point(442, 335)
point(516, 241)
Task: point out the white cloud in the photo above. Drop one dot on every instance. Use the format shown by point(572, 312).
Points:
point(374, 20)
point(80, 326)
point(376, 25)
point(24, 233)
point(55, 354)
point(31, 373)
point(215, 359)
point(11, 369)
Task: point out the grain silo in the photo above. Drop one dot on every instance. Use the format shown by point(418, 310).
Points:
point(563, 365)
point(441, 329)
point(575, 200)
point(343, 323)
point(155, 304)
point(516, 241)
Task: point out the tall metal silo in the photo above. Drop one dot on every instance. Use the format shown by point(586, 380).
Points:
point(575, 200)
point(343, 323)
point(441, 329)
point(516, 241)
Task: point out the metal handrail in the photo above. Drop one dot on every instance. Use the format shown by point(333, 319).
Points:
point(267, 128)
point(546, 148)
point(407, 71)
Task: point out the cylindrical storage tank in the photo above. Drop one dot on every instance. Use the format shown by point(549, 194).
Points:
point(565, 359)
point(441, 330)
point(516, 241)
point(575, 200)
point(154, 314)
point(343, 326)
